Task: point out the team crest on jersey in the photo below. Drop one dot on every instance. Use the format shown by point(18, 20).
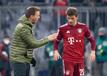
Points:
point(79, 30)
point(67, 31)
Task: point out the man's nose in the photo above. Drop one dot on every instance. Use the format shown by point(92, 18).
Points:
point(70, 20)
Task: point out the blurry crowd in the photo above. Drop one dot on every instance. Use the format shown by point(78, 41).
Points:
point(50, 2)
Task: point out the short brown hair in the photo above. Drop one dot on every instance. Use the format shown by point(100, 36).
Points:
point(71, 11)
point(31, 11)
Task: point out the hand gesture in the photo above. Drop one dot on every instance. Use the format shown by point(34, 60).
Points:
point(52, 36)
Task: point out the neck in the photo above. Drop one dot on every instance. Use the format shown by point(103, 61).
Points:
point(30, 21)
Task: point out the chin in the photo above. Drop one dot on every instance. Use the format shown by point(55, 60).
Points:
point(33, 22)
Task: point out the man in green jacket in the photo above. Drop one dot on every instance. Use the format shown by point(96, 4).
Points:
point(23, 41)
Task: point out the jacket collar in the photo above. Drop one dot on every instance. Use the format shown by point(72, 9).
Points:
point(24, 19)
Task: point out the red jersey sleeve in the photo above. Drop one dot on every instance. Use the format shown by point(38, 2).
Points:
point(90, 37)
point(56, 41)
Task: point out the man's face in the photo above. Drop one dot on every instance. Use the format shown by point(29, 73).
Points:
point(35, 18)
point(72, 20)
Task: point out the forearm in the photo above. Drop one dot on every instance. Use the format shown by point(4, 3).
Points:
point(39, 43)
point(30, 41)
point(93, 43)
point(34, 43)
point(56, 42)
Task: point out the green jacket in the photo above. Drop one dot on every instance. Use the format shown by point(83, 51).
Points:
point(23, 42)
point(101, 49)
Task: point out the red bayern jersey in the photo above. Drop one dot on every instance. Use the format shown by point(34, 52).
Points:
point(73, 41)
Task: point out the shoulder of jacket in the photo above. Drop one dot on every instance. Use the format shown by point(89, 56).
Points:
point(19, 25)
point(22, 26)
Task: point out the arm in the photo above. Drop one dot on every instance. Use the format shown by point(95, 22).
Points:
point(56, 42)
point(93, 43)
point(28, 38)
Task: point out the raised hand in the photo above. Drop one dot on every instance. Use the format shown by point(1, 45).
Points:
point(52, 36)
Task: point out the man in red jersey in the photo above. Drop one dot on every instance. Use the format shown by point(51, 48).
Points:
point(73, 34)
